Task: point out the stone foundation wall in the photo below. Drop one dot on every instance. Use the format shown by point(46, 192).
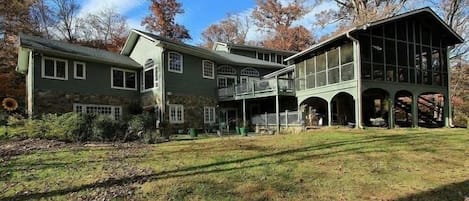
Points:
point(193, 111)
point(46, 101)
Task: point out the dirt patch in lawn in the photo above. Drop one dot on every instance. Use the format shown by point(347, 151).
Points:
point(9, 149)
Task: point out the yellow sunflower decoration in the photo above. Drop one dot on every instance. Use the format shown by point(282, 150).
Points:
point(9, 104)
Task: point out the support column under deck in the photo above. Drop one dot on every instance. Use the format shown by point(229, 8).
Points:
point(277, 111)
point(391, 112)
point(415, 111)
point(447, 111)
point(358, 113)
point(244, 113)
point(329, 114)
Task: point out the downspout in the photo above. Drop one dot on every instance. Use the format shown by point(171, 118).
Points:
point(163, 87)
point(357, 61)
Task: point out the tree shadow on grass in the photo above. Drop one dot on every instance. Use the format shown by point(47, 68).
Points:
point(218, 166)
point(452, 192)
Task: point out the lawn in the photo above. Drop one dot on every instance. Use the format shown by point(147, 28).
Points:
point(326, 164)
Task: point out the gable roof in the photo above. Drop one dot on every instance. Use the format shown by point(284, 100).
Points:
point(426, 11)
point(219, 57)
point(251, 48)
point(75, 51)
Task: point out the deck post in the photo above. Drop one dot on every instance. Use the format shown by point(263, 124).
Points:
point(415, 112)
point(266, 121)
point(286, 118)
point(244, 112)
point(277, 110)
point(329, 114)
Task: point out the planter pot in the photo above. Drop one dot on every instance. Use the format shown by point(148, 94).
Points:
point(243, 132)
point(193, 132)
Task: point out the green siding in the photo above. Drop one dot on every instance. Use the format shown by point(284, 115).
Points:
point(190, 82)
point(245, 53)
point(146, 49)
point(98, 80)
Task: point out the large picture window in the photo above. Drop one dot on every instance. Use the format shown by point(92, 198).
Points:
point(53, 68)
point(175, 62)
point(208, 69)
point(176, 114)
point(123, 79)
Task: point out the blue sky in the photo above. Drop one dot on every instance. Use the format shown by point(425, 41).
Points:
point(199, 14)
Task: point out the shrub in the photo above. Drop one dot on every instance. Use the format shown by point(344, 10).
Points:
point(106, 129)
point(139, 127)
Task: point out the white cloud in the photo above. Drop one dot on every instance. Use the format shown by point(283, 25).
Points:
point(121, 6)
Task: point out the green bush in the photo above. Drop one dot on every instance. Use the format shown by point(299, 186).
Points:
point(106, 129)
point(139, 126)
point(75, 127)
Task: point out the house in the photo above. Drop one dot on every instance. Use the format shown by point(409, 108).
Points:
point(388, 72)
point(177, 82)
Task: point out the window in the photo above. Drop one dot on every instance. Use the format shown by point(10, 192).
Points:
point(53, 68)
point(226, 81)
point(209, 115)
point(79, 70)
point(114, 112)
point(123, 79)
point(227, 70)
point(150, 76)
point(176, 114)
point(250, 72)
point(208, 69)
point(175, 63)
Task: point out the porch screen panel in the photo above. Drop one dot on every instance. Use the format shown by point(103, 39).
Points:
point(346, 61)
point(321, 78)
point(310, 73)
point(333, 66)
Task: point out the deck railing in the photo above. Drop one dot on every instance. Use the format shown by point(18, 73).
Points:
point(273, 85)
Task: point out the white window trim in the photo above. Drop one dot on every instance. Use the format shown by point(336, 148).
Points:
point(242, 72)
point(213, 69)
point(155, 78)
point(124, 70)
point(113, 109)
point(176, 107)
point(227, 76)
point(233, 70)
point(75, 70)
point(43, 68)
point(212, 115)
point(169, 62)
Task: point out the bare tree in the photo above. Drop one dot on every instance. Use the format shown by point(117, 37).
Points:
point(42, 17)
point(358, 12)
point(162, 20)
point(456, 15)
point(106, 29)
point(66, 16)
point(233, 29)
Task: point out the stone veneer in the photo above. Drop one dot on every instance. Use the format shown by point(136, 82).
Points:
point(193, 110)
point(46, 101)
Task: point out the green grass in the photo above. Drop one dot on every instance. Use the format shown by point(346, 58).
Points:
point(328, 164)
